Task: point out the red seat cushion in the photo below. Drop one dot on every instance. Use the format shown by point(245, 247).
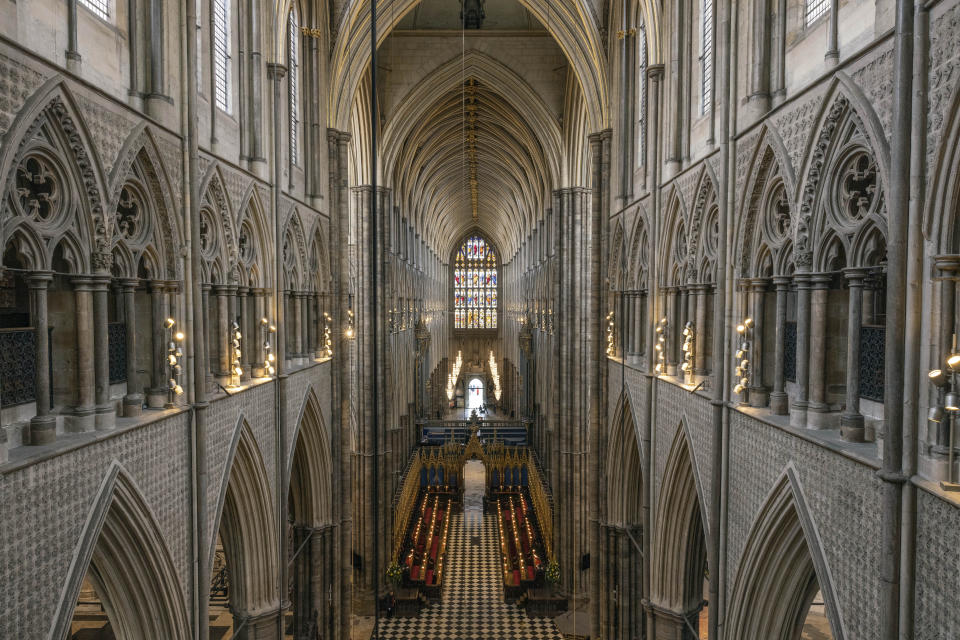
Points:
point(429, 576)
point(516, 577)
point(531, 573)
point(415, 573)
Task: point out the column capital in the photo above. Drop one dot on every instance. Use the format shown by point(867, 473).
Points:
point(947, 263)
point(276, 71)
point(820, 280)
point(83, 282)
point(855, 276)
point(128, 284)
point(260, 291)
point(157, 286)
point(759, 284)
point(655, 71)
point(782, 282)
point(39, 279)
point(222, 289)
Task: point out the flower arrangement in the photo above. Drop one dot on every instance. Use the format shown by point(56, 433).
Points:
point(553, 572)
point(394, 574)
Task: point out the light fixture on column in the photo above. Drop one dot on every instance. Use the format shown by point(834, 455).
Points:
point(742, 358)
point(611, 337)
point(269, 359)
point(495, 374)
point(661, 347)
point(327, 339)
point(236, 370)
point(454, 376)
point(350, 331)
point(686, 367)
point(174, 354)
point(944, 413)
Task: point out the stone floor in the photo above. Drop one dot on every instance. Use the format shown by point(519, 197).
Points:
point(472, 606)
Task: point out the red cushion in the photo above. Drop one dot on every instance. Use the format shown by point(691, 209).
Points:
point(516, 577)
point(415, 573)
point(429, 576)
point(530, 573)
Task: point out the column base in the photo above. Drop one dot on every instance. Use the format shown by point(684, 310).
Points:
point(798, 414)
point(671, 369)
point(80, 420)
point(779, 403)
point(759, 397)
point(819, 416)
point(133, 405)
point(106, 417)
point(43, 430)
point(264, 626)
point(156, 398)
point(224, 379)
point(259, 372)
point(851, 427)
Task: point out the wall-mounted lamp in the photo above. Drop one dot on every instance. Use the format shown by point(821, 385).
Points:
point(742, 358)
point(611, 335)
point(686, 367)
point(350, 331)
point(327, 338)
point(269, 359)
point(174, 354)
point(661, 346)
point(495, 374)
point(236, 369)
point(944, 413)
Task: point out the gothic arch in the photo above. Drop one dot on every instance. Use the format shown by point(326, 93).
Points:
point(217, 231)
point(941, 222)
point(131, 566)
point(246, 521)
point(639, 256)
point(681, 537)
point(254, 248)
point(310, 466)
point(674, 247)
point(781, 560)
point(626, 477)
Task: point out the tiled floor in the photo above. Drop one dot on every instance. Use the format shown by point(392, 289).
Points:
point(472, 607)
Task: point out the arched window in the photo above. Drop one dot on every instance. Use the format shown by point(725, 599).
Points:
point(293, 55)
point(815, 10)
point(101, 8)
point(642, 97)
point(706, 55)
point(221, 53)
point(475, 285)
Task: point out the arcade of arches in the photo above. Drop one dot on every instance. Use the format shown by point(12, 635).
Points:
point(619, 319)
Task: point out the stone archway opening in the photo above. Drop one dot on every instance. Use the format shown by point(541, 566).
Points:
point(476, 394)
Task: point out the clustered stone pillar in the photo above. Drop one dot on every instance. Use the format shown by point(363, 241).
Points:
point(106, 413)
point(43, 426)
point(208, 344)
point(221, 335)
point(674, 321)
point(259, 353)
point(778, 398)
point(851, 421)
point(82, 416)
point(701, 292)
point(133, 400)
point(817, 407)
point(798, 409)
point(243, 321)
point(758, 391)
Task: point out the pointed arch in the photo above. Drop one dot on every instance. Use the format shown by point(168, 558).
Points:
point(681, 537)
point(246, 525)
point(626, 476)
point(310, 466)
point(781, 561)
point(132, 568)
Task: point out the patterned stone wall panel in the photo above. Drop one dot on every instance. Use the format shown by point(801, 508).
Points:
point(844, 501)
point(109, 125)
point(795, 123)
point(18, 81)
point(298, 384)
point(236, 184)
point(676, 404)
point(45, 507)
point(875, 79)
point(938, 568)
point(943, 65)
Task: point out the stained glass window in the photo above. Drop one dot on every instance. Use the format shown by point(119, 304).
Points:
point(475, 285)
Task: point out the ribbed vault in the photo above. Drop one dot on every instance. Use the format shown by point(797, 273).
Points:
point(472, 117)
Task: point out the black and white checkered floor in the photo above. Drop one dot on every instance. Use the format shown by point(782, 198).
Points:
point(472, 607)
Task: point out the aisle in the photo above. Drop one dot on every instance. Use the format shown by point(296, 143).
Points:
point(472, 607)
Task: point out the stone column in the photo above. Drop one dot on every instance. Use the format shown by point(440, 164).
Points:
point(296, 326)
point(303, 304)
point(259, 313)
point(798, 409)
point(43, 426)
point(157, 394)
point(948, 267)
point(82, 416)
point(758, 391)
point(221, 333)
point(779, 401)
point(208, 345)
point(851, 420)
point(133, 400)
point(700, 342)
point(243, 306)
point(674, 327)
point(638, 325)
point(817, 408)
point(106, 411)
